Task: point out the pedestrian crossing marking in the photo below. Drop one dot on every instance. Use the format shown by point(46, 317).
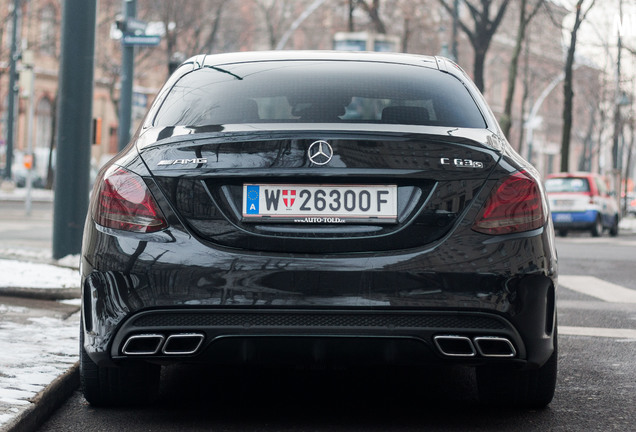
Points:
point(595, 287)
point(598, 332)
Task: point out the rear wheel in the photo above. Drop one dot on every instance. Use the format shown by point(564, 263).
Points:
point(563, 233)
point(614, 228)
point(523, 388)
point(597, 228)
point(130, 384)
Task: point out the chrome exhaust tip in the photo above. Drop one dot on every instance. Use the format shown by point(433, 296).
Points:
point(495, 346)
point(183, 343)
point(455, 346)
point(143, 344)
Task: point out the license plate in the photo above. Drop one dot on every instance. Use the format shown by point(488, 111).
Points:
point(563, 217)
point(564, 203)
point(327, 204)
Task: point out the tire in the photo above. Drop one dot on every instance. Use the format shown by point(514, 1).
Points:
point(130, 384)
point(563, 233)
point(520, 388)
point(614, 228)
point(597, 228)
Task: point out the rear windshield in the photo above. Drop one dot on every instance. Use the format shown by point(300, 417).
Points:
point(318, 92)
point(570, 184)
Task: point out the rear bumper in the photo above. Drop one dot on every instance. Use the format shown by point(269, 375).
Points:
point(574, 220)
point(242, 304)
point(248, 336)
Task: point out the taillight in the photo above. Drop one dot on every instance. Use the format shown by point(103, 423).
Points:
point(515, 205)
point(124, 202)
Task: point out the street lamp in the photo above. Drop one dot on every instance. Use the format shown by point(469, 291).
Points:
point(532, 121)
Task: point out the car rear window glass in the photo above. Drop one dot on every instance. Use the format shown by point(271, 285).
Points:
point(570, 184)
point(318, 92)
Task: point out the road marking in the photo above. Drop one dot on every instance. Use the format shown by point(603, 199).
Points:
point(598, 240)
point(598, 332)
point(592, 286)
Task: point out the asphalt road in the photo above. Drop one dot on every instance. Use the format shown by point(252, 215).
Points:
point(596, 384)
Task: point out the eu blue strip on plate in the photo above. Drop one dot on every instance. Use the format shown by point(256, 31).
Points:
point(251, 202)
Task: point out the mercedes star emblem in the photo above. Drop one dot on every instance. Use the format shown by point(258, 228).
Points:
point(320, 152)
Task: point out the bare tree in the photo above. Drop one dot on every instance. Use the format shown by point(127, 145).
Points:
point(277, 15)
point(481, 31)
point(4, 54)
point(47, 41)
point(190, 27)
point(527, 11)
point(372, 9)
point(108, 51)
point(568, 93)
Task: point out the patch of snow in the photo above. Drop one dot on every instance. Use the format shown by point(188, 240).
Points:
point(32, 355)
point(71, 261)
point(4, 309)
point(20, 274)
point(72, 302)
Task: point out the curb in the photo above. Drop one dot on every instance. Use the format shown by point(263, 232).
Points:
point(41, 293)
point(22, 199)
point(47, 402)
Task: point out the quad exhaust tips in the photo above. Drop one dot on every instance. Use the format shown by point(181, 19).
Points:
point(495, 346)
point(154, 344)
point(189, 343)
point(183, 343)
point(484, 346)
point(455, 346)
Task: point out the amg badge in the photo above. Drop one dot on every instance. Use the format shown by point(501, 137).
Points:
point(196, 161)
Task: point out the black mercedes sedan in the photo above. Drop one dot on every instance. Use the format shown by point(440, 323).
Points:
point(319, 208)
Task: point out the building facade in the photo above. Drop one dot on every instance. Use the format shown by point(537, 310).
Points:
point(207, 26)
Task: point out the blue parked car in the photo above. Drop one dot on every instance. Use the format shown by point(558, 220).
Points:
point(582, 201)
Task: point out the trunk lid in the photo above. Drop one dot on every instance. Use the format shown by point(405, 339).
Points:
point(432, 179)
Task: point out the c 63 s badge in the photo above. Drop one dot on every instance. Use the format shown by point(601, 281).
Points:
point(461, 163)
point(196, 161)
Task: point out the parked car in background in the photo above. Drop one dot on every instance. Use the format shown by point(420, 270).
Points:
point(582, 201)
point(631, 204)
point(319, 209)
point(40, 158)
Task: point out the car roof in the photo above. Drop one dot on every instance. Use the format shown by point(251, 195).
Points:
point(317, 55)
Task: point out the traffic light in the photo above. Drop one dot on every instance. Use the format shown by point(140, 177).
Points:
point(28, 161)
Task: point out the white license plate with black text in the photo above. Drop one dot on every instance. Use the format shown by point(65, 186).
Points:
point(300, 203)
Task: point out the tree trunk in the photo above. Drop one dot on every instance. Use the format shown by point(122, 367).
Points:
point(50, 173)
point(568, 93)
point(373, 11)
point(480, 37)
point(524, 20)
point(478, 68)
point(407, 34)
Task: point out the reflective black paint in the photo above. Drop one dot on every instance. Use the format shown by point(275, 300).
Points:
point(209, 262)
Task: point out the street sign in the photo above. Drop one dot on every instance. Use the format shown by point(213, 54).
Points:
point(134, 25)
point(140, 40)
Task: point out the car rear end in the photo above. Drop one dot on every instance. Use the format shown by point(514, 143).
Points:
point(581, 201)
point(572, 202)
point(325, 214)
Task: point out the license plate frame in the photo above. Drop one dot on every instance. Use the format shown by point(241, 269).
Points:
point(320, 203)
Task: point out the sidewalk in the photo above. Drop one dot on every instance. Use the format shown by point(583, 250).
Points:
point(39, 320)
point(10, 193)
point(38, 344)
